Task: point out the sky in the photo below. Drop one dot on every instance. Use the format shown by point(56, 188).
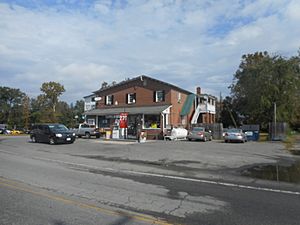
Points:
point(81, 44)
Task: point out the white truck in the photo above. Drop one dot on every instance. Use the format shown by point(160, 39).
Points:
point(86, 130)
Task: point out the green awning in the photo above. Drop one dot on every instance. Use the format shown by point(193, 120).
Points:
point(187, 105)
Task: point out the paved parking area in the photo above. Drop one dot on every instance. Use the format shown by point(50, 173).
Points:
point(176, 180)
point(210, 160)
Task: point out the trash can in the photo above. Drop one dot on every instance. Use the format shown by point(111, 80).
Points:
point(107, 134)
point(251, 131)
point(143, 137)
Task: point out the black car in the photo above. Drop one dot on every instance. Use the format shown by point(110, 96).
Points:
point(52, 134)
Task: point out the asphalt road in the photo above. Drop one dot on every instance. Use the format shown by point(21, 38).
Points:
point(94, 182)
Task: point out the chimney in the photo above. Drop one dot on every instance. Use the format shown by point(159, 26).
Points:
point(198, 90)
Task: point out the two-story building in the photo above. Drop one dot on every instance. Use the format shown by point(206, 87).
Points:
point(89, 102)
point(147, 104)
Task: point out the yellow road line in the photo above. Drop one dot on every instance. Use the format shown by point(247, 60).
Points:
point(16, 186)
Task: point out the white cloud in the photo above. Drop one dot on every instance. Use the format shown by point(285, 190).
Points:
point(186, 43)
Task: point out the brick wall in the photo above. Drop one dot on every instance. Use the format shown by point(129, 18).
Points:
point(144, 97)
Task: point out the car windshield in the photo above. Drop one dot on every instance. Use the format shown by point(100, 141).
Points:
point(58, 127)
point(198, 129)
point(234, 131)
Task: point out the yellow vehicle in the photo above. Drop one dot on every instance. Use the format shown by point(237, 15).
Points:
point(15, 132)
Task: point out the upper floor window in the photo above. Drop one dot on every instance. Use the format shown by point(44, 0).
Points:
point(159, 96)
point(178, 97)
point(109, 99)
point(131, 98)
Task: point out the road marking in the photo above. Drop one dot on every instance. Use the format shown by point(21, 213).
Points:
point(139, 217)
point(226, 184)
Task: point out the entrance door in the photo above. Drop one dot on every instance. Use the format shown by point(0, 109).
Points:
point(132, 127)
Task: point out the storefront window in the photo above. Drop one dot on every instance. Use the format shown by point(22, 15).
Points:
point(152, 121)
point(104, 122)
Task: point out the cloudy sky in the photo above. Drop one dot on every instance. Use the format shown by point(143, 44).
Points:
point(193, 43)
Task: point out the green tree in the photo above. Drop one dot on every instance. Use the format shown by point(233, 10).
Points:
point(64, 114)
point(52, 91)
point(11, 100)
point(49, 100)
point(78, 110)
point(26, 111)
point(228, 116)
point(263, 80)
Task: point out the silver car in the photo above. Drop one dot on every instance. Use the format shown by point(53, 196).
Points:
point(199, 133)
point(235, 135)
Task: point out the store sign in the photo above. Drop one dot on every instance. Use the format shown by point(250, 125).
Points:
point(123, 120)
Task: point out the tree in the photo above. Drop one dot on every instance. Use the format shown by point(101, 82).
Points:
point(52, 91)
point(78, 111)
point(48, 101)
point(104, 85)
point(263, 80)
point(228, 116)
point(11, 106)
point(64, 114)
point(26, 112)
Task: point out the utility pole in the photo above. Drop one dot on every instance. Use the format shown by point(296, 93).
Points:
point(275, 120)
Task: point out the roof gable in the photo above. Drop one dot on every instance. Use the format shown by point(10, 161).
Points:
point(142, 81)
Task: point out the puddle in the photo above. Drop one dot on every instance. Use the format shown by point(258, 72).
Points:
point(295, 151)
point(289, 173)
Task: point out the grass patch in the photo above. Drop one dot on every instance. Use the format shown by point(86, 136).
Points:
point(263, 136)
point(290, 143)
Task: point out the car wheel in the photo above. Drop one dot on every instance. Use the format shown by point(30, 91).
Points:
point(87, 135)
point(226, 141)
point(33, 139)
point(51, 141)
point(189, 139)
point(79, 136)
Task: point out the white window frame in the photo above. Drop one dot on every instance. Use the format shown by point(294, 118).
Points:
point(109, 99)
point(129, 101)
point(156, 96)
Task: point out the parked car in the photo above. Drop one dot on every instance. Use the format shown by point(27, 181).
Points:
point(224, 132)
point(86, 130)
point(52, 134)
point(15, 132)
point(199, 133)
point(6, 131)
point(235, 135)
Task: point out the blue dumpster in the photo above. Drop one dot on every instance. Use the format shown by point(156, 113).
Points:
point(251, 131)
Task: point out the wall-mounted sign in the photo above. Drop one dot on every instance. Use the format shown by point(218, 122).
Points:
point(123, 120)
point(98, 98)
